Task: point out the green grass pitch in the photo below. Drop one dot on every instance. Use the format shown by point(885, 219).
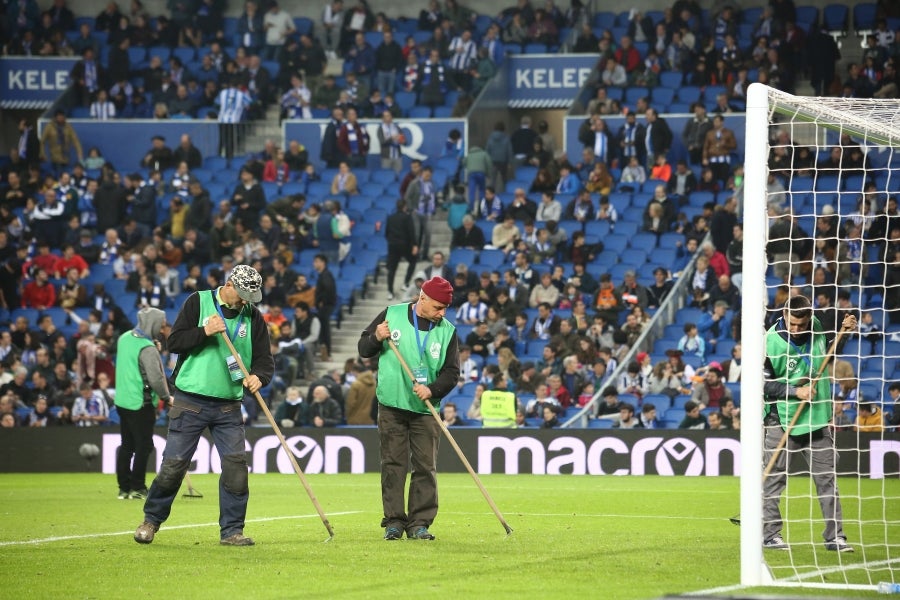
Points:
point(67, 536)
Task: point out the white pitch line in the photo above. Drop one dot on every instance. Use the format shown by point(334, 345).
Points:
point(591, 515)
point(843, 567)
point(63, 538)
point(718, 590)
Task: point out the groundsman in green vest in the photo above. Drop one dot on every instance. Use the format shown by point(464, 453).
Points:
point(140, 384)
point(796, 347)
point(209, 388)
point(409, 434)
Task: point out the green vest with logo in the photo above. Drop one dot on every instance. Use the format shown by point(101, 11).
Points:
point(204, 370)
point(394, 387)
point(797, 365)
point(498, 409)
point(129, 383)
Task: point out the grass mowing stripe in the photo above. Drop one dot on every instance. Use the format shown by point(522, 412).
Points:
point(63, 538)
point(844, 567)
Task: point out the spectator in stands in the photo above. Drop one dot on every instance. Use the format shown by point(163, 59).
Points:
point(631, 292)
point(248, 198)
point(432, 81)
point(463, 56)
point(727, 292)
point(516, 31)
point(522, 140)
point(326, 301)
point(505, 234)
point(717, 148)
point(657, 136)
point(613, 73)
point(330, 152)
point(694, 133)
point(278, 26)
point(58, 141)
point(401, 241)
point(232, 103)
point(296, 101)
point(692, 417)
point(187, 152)
point(88, 76)
point(353, 141)
point(468, 235)
point(691, 343)
point(438, 268)
point(545, 324)
point(160, 156)
point(681, 183)
point(544, 292)
point(608, 407)
point(39, 293)
point(543, 30)
point(716, 325)
point(391, 139)
point(344, 182)
point(47, 219)
point(421, 197)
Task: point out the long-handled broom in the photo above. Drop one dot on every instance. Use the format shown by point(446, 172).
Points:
point(191, 490)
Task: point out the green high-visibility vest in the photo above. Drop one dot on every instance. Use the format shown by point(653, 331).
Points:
point(129, 383)
point(498, 409)
point(796, 365)
point(204, 370)
point(394, 387)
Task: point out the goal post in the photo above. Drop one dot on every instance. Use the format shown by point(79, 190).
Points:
point(834, 161)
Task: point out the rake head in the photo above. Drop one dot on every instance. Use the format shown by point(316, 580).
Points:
point(192, 493)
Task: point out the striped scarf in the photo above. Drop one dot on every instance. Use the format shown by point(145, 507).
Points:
point(108, 254)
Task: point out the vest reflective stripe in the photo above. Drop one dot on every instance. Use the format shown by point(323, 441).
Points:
point(498, 409)
point(394, 386)
point(204, 370)
point(129, 383)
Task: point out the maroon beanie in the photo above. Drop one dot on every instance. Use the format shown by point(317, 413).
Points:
point(439, 290)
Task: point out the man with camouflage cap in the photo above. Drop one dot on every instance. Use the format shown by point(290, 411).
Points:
point(208, 391)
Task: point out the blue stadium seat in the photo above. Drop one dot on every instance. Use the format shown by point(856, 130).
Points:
point(535, 48)
point(806, 14)
point(670, 79)
point(633, 94)
point(688, 94)
point(864, 17)
point(603, 20)
point(186, 54)
point(303, 25)
point(835, 18)
point(420, 112)
point(600, 424)
point(163, 52)
point(663, 96)
point(443, 112)
point(491, 258)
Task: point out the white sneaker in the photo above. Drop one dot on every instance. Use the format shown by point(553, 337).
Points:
point(390, 296)
point(775, 542)
point(838, 545)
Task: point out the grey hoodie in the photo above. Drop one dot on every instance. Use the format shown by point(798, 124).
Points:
point(150, 321)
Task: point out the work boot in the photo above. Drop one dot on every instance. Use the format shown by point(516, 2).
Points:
point(419, 533)
point(145, 532)
point(323, 353)
point(237, 539)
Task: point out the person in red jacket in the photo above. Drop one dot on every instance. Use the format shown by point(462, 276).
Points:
point(68, 260)
point(39, 293)
point(717, 261)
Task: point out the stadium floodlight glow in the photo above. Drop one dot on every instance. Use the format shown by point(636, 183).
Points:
point(791, 139)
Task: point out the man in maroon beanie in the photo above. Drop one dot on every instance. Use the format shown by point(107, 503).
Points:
point(409, 433)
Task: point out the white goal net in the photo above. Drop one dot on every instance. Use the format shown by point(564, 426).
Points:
point(822, 183)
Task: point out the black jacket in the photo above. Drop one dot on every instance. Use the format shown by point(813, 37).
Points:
point(186, 336)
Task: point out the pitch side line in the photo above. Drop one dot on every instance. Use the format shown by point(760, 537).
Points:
point(844, 567)
point(591, 515)
point(63, 538)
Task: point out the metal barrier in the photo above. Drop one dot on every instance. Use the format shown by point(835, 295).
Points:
point(665, 315)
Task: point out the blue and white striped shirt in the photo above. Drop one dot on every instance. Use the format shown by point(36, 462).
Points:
point(232, 103)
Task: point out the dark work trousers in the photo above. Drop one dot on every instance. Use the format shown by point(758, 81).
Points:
point(137, 441)
point(188, 418)
point(395, 255)
point(821, 457)
point(409, 442)
point(325, 313)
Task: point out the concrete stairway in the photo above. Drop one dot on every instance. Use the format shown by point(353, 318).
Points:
point(375, 300)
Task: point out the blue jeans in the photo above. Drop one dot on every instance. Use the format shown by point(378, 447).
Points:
point(188, 418)
point(386, 82)
point(477, 182)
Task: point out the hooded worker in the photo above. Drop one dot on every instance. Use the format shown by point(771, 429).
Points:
point(140, 383)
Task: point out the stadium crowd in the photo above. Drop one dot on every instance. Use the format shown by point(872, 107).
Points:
point(84, 244)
